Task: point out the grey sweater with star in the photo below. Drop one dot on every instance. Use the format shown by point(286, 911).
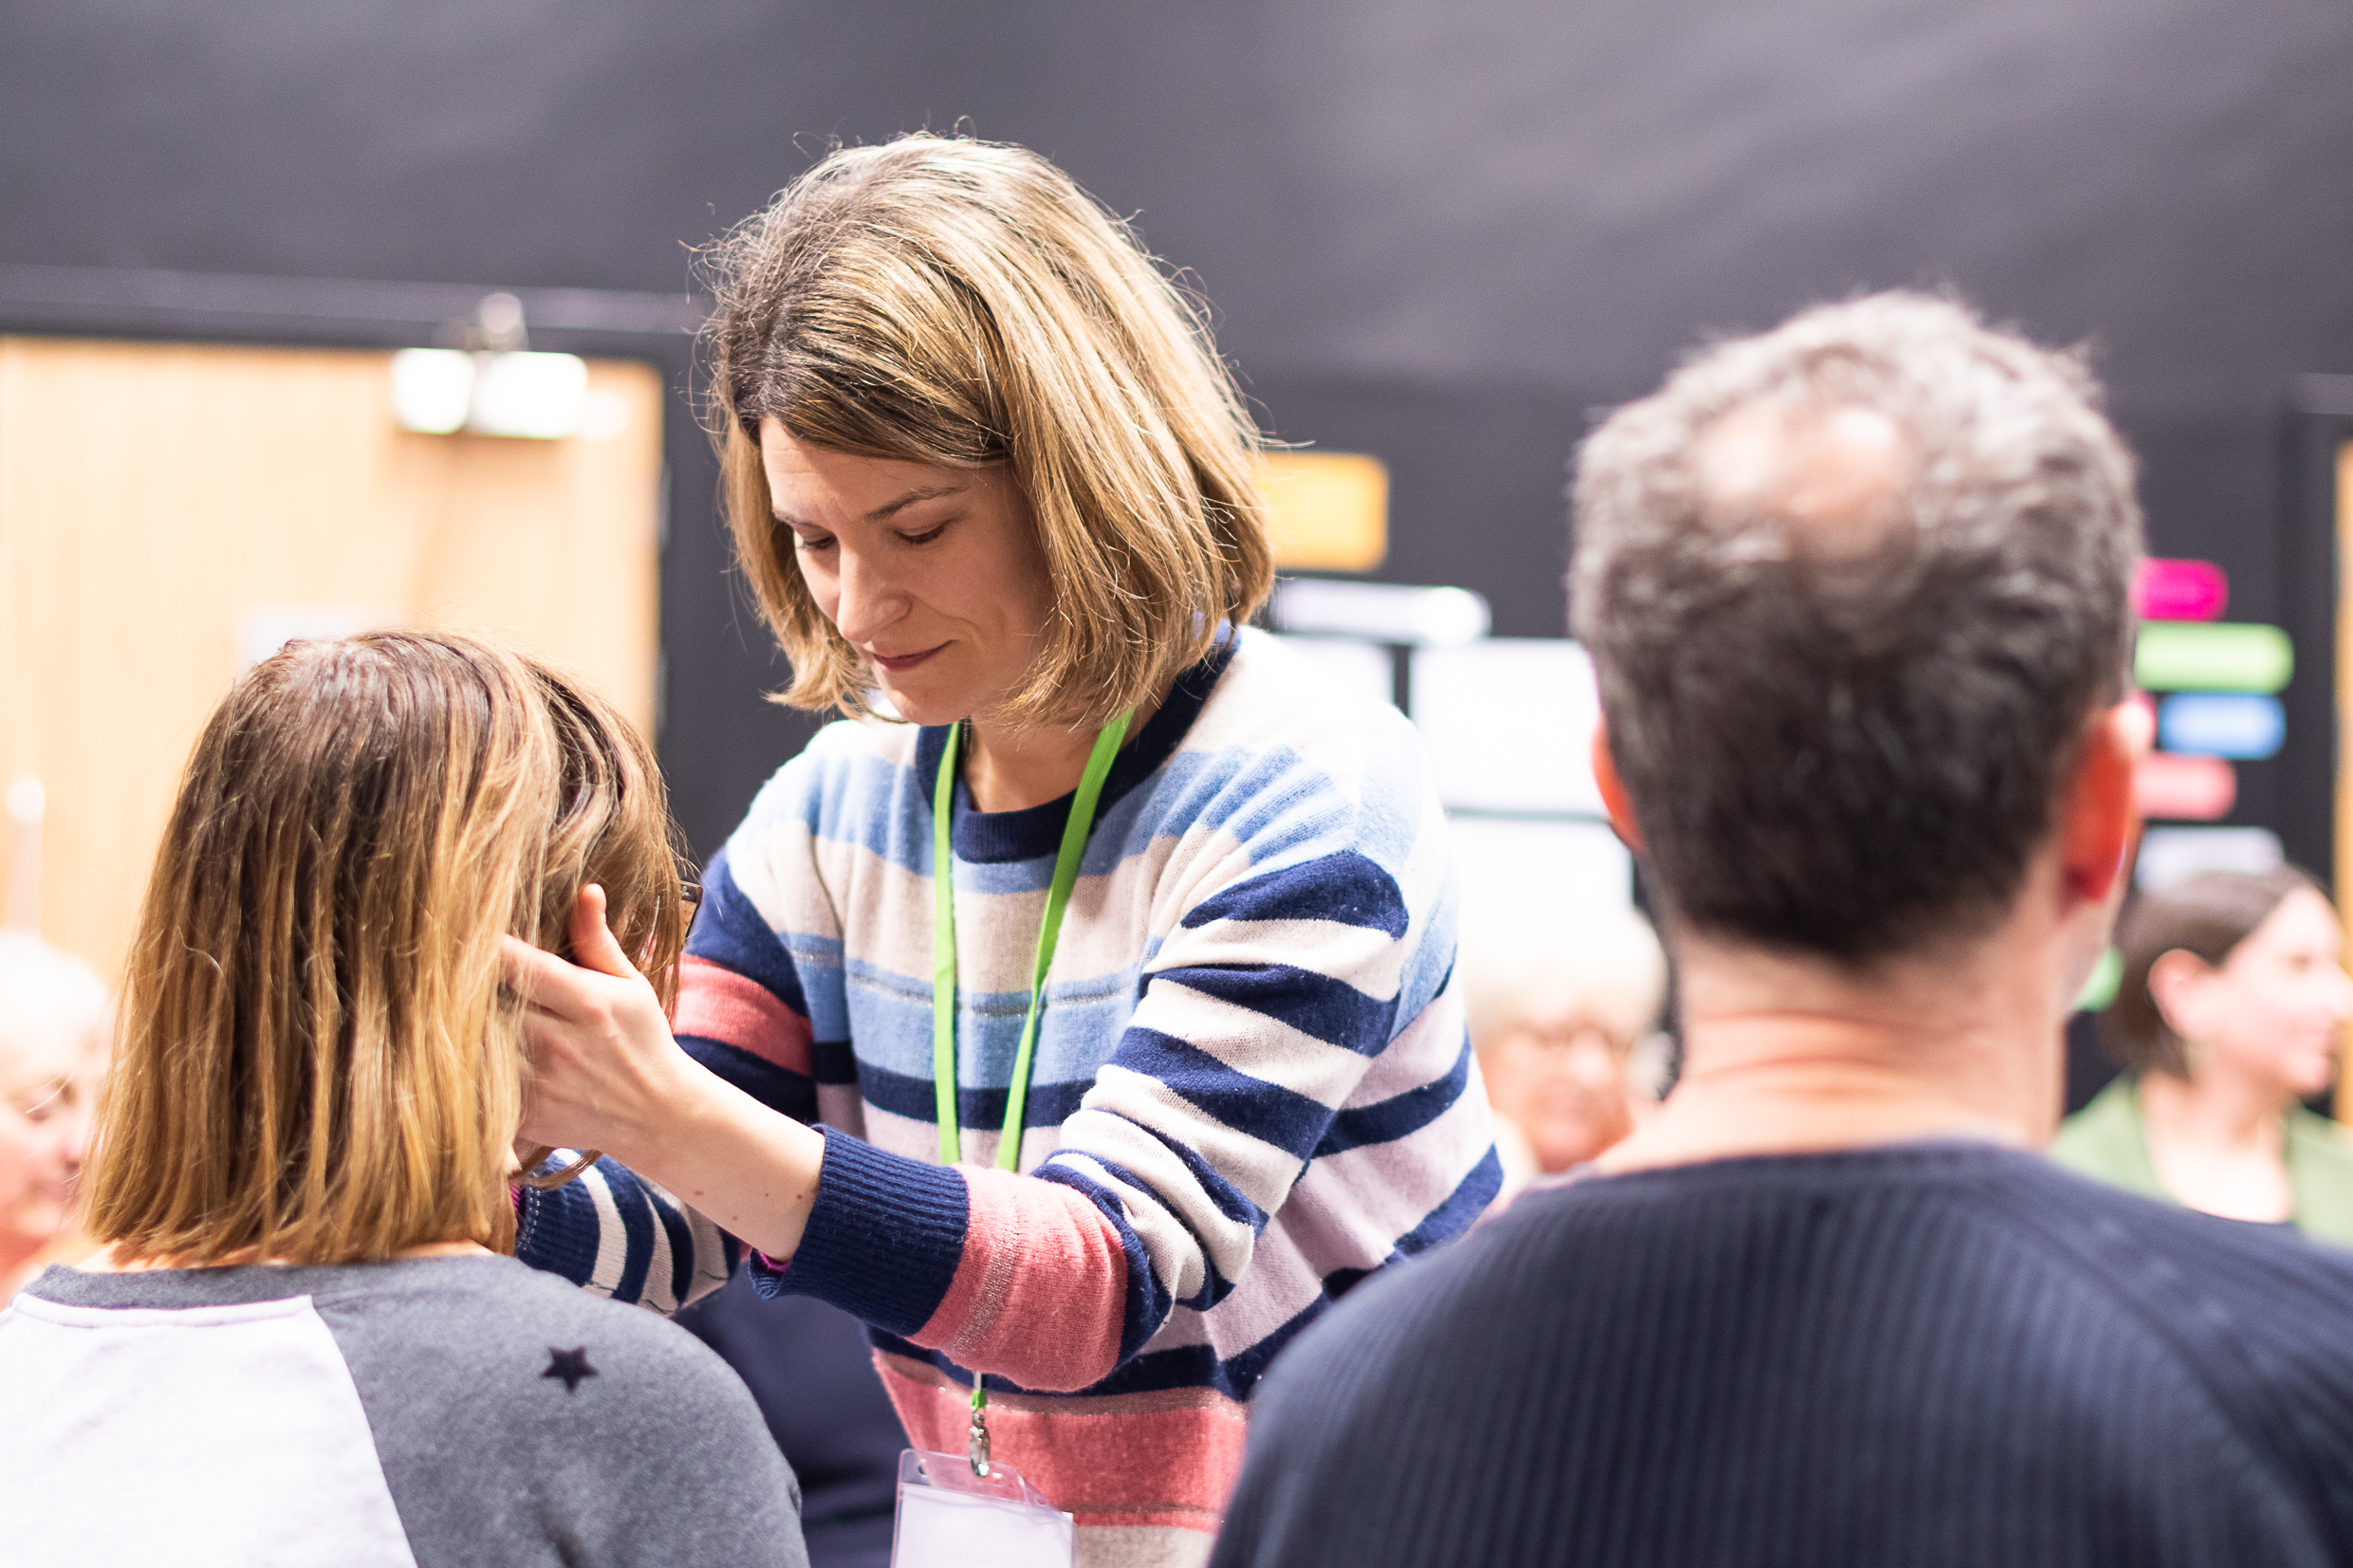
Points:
point(426, 1412)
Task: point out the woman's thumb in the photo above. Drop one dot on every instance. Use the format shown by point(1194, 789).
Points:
point(593, 946)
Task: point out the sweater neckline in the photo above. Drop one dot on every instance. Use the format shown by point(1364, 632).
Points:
point(995, 837)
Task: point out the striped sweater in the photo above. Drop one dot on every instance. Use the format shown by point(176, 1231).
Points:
point(1253, 1081)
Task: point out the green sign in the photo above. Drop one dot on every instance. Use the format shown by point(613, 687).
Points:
point(2188, 655)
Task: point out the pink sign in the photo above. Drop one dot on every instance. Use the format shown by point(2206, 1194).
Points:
point(2182, 590)
point(2186, 789)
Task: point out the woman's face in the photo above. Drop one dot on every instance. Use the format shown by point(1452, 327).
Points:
point(43, 1126)
point(1562, 1081)
point(2273, 1009)
point(933, 574)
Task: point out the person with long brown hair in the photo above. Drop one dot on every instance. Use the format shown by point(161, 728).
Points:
point(1121, 972)
point(303, 1342)
point(2227, 1016)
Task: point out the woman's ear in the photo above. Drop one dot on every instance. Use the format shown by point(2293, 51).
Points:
point(2179, 984)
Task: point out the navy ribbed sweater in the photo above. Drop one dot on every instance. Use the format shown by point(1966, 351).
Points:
point(1939, 1353)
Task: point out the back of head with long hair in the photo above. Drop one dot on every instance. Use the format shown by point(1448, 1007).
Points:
point(317, 1061)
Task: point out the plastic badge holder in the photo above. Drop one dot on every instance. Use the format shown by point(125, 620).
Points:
point(950, 1517)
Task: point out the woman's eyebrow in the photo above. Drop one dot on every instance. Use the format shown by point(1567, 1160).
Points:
point(888, 508)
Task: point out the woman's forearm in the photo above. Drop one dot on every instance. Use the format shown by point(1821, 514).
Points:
point(750, 1170)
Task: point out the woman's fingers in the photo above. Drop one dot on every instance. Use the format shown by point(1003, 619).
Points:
point(539, 978)
point(593, 942)
point(602, 1060)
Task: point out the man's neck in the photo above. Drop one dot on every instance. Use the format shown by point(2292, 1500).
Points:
point(1787, 1054)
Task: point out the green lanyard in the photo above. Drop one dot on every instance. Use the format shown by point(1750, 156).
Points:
point(944, 948)
point(944, 980)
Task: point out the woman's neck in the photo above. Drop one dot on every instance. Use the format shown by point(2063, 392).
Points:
point(2218, 1144)
point(1008, 770)
point(2216, 1109)
point(1013, 768)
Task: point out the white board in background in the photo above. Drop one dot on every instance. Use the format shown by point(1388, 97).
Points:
point(1360, 669)
point(1511, 870)
point(2170, 854)
point(1509, 721)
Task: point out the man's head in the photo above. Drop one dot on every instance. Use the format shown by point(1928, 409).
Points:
point(1853, 589)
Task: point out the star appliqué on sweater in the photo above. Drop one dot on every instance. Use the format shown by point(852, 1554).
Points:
point(571, 1365)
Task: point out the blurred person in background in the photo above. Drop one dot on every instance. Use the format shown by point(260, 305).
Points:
point(301, 1343)
point(984, 464)
point(2228, 1015)
point(1562, 1014)
point(53, 1026)
point(1857, 593)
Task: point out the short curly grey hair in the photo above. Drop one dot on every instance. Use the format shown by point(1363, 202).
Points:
point(1852, 588)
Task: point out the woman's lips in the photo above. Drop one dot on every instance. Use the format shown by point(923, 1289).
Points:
point(899, 663)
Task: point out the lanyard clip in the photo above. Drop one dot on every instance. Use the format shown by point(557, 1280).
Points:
point(976, 1445)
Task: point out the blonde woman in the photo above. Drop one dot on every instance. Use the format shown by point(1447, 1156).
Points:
point(984, 467)
point(301, 1344)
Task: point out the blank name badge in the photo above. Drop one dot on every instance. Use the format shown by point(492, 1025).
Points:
point(950, 1517)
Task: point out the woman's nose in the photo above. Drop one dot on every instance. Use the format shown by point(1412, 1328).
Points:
point(1591, 1062)
point(867, 600)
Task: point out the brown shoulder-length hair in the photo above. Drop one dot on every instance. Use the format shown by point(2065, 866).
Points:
point(2206, 916)
point(318, 1062)
point(963, 305)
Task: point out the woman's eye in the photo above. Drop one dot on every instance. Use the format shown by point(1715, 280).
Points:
point(811, 547)
point(924, 538)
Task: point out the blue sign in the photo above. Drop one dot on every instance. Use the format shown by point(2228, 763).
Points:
point(2217, 724)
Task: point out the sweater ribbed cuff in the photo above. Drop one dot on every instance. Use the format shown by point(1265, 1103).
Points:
point(884, 1238)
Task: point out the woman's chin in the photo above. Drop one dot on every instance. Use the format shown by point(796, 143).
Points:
point(922, 704)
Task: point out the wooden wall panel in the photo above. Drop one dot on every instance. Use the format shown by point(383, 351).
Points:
point(153, 497)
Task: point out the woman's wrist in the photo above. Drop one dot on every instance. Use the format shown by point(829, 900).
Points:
point(750, 1170)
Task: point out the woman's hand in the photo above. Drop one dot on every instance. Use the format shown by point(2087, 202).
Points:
point(605, 1074)
point(605, 1071)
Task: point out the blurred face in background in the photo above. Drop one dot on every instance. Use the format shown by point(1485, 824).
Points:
point(44, 1116)
point(1562, 1080)
point(2271, 1013)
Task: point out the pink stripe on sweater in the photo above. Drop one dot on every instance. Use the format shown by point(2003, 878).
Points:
point(1166, 1459)
point(1040, 1290)
point(718, 1004)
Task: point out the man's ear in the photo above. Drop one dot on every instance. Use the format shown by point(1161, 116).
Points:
point(1613, 791)
point(2098, 820)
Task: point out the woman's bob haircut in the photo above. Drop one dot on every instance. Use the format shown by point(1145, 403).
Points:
point(318, 1062)
point(2206, 915)
point(963, 305)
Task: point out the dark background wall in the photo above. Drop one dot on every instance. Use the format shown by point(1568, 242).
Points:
point(1442, 233)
